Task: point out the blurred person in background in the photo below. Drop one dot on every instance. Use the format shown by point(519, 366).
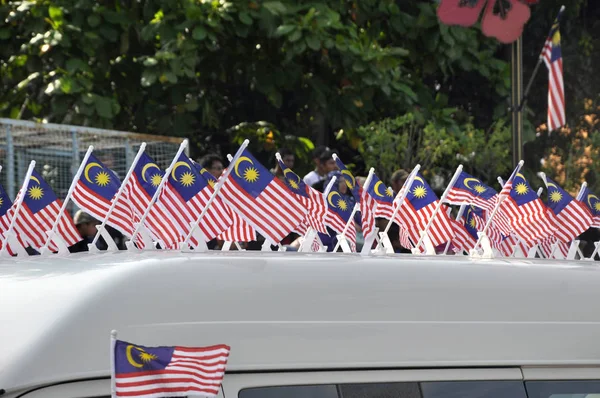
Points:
point(288, 158)
point(213, 164)
point(317, 178)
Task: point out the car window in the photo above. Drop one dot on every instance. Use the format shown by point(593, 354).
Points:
point(469, 389)
point(563, 389)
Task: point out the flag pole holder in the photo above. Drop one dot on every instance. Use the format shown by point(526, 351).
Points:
point(574, 250)
point(366, 249)
point(110, 243)
point(144, 236)
point(426, 241)
point(199, 236)
point(385, 245)
point(15, 246)
point(63, 248)
point(534, 251)
point(307, 240)
point(343, 243)
point(486, 246)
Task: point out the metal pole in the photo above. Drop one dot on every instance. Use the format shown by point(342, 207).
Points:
point(128, 154)
point(516, 95)
point(10, 159)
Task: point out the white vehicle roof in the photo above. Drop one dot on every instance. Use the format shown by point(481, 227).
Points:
point(295, 311)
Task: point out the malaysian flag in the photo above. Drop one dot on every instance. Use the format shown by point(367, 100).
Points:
point(349, 179)
point(261, 199)
point(468, 189)
point(547, 246)
point(592, 202)
point(185, 196)
point(339, 212)
point(39, 210)
point(417, 210)
point(525, 213)
point(463, 240)
point(552, 56)
point(138, 193)
point(94, 192)
point(239, 230)
point(141, 371)
point(366, 203)
point(310, 198)
point(384, 197)
point(571, 216)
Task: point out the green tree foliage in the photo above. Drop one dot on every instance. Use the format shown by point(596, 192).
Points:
point(199, 68)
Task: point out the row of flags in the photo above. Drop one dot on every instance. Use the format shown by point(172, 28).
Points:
point(185, 206)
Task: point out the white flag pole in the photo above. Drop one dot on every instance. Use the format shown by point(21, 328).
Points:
point(113, 378)
point(401, 196)
point(501, 198)
point(415, 250)
point(66, 201)
point(461, 211)
point(159, 188)
point(368, 242)
point(345, 230)
point(218, 187)
point(17, 205)
point(119, 193)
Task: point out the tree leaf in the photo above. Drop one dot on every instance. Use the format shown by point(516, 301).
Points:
point(103, 106)
point(283, 30)
point(313, 42)
point(199, 33)
point(94, 20)
point(245, 18)
point(275, 7)
point(149, 77)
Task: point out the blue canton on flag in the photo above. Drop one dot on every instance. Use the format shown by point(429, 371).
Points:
point(139, 190)
point(94, 192)
point(470, 190)
point(572, 218)
point(261, 199)
point(310, 198)
point(418, 209)
point(525, 213)
point(339, 210)
point(384, 197)
point(38, 212)
point(592, 202)
point(141, 371)
point(185, 196)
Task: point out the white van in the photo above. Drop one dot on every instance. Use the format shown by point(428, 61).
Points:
point(308, 325)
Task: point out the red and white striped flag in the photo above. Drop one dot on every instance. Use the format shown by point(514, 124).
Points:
point(261, 199)
point(185, 195)
point(138, 193)
point(39, 210)
point(146, 372)
point(95, 189)
point(552, 56)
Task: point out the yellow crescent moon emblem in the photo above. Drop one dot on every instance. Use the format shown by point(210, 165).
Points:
point(417, 178)
point(35, 179)
point(520, 176)
point(240, 160)
point(376, 187)
point(353, 183)
point(176, 166)
point(590, 200)
point(146, 167)
point(87, 170)
point(467, 180)
point(130, 357)
point(295, 178)
point(551, 185)
point(331, 195)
